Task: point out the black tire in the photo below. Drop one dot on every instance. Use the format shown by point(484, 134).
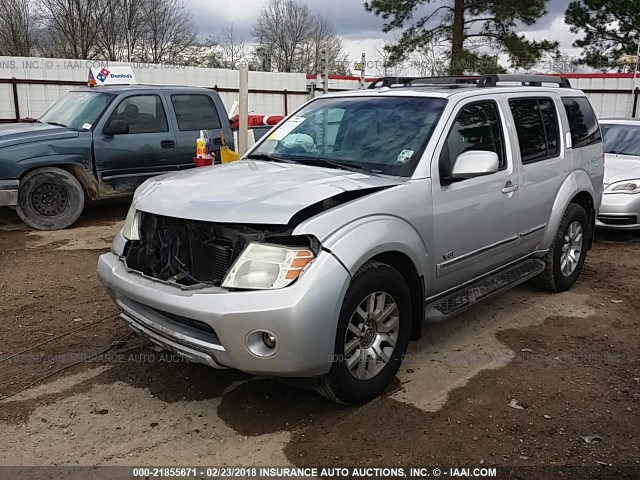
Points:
point(552, 278)
point(340, 385)
point(50, 199)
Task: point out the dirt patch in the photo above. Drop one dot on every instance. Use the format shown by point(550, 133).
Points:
point(570, 361)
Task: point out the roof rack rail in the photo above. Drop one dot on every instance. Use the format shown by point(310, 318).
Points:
point(388, 81)
point(417, 81)
point(524, 80)
point(447, 80)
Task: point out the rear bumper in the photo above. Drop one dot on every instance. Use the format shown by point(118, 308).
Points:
point(619, 211)
point(9, 193)
point(214, 326)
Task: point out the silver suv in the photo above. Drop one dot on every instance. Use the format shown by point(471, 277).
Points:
point(321, 253)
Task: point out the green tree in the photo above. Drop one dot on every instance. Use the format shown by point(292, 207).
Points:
point(470, 27)
point(610, 29)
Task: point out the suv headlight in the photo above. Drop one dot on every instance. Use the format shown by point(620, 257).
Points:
point(261, 266)
point(625, 186)
point(131, 227)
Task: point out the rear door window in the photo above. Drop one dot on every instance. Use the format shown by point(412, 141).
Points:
point(582, 121)
point(537, 127)
point(195, 112)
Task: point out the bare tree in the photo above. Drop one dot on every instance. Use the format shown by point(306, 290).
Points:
point(18, 31)
point(560, 63)
point(72, 27)
point(123, 25)
point(428, 61)
point(231, 48)
point(290, 38)
point(384, 65)
point(284, 26)
point(170, 35)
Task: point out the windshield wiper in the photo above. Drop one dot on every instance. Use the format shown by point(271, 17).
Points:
point(57, 124)
point(327, 162)
point(269, 158)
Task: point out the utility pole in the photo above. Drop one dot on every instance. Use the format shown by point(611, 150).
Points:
point(243, 87)
point(324, 69)
point(635, 76)
point(363, 71)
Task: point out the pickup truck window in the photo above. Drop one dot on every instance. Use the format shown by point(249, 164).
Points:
point(477, 127)
point(143, 114)
point(582, 121)
point(78, 110)
point(376, 134)
point(195, 112)
point(537, 127)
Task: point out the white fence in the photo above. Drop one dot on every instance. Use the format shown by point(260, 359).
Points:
point(29, 86)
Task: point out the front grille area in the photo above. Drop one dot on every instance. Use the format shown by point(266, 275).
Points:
point(618, 220)
point(189, 252)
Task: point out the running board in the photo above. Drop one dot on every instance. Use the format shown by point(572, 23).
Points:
point(460, 300)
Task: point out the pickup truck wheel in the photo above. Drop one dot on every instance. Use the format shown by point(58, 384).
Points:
point(49, 199)
point(372, 336)
point(568, 251)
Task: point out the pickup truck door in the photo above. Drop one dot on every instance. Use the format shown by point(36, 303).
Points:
point(195, 111)
point(475, 221)
point(125, 160)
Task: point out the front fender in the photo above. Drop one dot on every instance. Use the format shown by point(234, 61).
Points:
point(578, 181)
point(357, 242)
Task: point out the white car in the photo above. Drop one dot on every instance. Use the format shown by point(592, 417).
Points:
point(621, 200)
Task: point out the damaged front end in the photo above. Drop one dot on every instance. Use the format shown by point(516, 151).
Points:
point(191, 253)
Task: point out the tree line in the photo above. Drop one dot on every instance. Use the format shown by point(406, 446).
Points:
point(435, 36)
point(288, 37)
point(470, 36)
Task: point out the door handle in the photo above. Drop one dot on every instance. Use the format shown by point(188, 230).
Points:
point(167, 143)
point(509, 188)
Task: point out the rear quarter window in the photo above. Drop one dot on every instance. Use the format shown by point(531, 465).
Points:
point(582, 121)
point(195, 112)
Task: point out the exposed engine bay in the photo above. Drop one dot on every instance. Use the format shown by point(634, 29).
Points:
point(190, 252)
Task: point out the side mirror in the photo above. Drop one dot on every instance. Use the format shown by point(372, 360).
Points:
point(474, 163)
point(116, 127)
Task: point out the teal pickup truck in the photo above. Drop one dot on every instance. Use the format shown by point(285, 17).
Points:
point(102, 142)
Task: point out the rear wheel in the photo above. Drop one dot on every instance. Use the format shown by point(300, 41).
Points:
point(568, 252)
point(372, 335)
point(50, 199)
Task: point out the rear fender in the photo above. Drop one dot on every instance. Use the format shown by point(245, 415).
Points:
point(578, 181)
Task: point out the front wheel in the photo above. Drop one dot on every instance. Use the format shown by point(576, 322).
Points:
point(568, 252)
point(50, 199)
point(372, 335)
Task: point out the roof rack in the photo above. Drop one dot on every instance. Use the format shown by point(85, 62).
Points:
point(523, 80)
point(453, 81)
point(388, 81)
point(447, 80)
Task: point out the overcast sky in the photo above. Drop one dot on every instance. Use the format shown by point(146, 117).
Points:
point(359, 29)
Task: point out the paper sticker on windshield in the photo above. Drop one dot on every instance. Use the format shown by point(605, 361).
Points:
point(286, 128)
point(86, 126)
point(405, 156)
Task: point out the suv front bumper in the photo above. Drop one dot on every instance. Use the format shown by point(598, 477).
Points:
point(214, 325)
point(9, 193)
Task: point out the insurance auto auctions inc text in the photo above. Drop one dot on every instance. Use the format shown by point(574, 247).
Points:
point(375, 472)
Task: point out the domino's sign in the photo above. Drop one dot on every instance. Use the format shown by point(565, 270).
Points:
point(111, 76)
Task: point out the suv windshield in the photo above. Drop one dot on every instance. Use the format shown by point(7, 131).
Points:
point(379, 135)
point(78, 110)
point(621, 139)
